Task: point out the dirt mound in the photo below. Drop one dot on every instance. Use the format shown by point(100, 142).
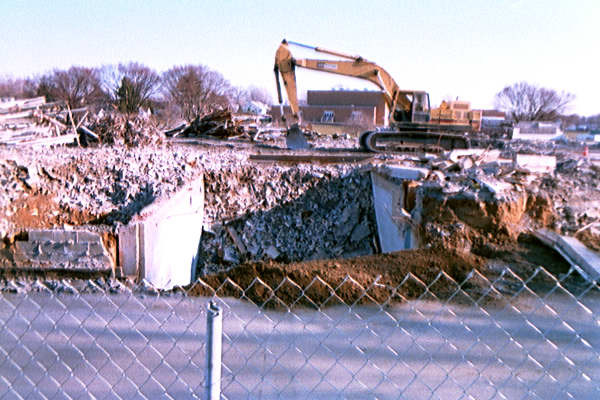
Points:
point(382, 278)
point(590, 238)
point(464, 221)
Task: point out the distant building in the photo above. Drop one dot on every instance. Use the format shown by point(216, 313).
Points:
point(255, 107)
point(492, 118)
point(342, 107)
point(537, 130)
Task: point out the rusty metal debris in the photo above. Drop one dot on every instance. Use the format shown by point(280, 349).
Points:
point(222, 124)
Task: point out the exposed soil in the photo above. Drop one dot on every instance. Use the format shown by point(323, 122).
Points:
point(42, 211)
point(590, 238)
point(381, 278)
point(425, 274)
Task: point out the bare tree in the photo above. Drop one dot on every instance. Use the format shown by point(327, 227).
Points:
point(16, 87)
point(77, 86)
point(238, 96)
point(131, 86)
point(195, 90)
point(260, 94)
point(526, 102)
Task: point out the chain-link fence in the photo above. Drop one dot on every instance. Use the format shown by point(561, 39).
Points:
point(506, 337)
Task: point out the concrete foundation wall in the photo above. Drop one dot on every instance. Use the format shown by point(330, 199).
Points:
point(52, 249)
point(394, 223)
point(161, 244)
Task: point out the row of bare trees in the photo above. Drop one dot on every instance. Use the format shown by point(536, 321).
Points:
point(192, 90)
point(523, 101)
point(181, 92)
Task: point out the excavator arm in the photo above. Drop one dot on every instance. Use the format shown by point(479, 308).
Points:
point(353, 66)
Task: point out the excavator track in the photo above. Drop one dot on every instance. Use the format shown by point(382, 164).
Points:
point(412, 141)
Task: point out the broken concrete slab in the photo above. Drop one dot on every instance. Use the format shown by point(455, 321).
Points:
point(402, 172)
point(536, 163)
point(583, 259)
point(494, 186)
point(272, 252)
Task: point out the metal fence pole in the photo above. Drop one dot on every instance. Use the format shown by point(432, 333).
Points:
point(214, 332)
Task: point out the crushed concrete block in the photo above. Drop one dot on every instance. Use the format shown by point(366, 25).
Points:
point(230, 255)
point(491, 168)
point(236, 240)
point(436, 175)
point(87, 236)
point(50, 235)
point(404, 173)
point(272, 252)
point(347, 221)
point(536, 163)
point(360, 231)
point(494, 186)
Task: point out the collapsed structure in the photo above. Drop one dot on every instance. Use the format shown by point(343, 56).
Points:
point(169, 212)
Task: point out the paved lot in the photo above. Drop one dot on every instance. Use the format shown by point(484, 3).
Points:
point(125, 346)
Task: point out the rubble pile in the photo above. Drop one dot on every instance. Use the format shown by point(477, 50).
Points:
point(79, 186)
point(286, 214)
point(219, 124)
point(114, 128)
point(289, 208)
point(35, 122)
point(222, 124)
point(476, 200)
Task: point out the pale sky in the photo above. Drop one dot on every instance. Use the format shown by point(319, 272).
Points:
point(465, 49)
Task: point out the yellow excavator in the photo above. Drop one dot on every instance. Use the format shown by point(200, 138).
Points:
point(410, 125)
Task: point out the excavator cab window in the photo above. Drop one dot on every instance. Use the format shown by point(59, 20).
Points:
point(402, 114)
point(420, 107)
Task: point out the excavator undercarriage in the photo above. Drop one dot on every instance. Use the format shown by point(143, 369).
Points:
point(416, 138)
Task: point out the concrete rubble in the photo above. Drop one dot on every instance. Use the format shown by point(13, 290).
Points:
point(286, 213)
point(262, 204)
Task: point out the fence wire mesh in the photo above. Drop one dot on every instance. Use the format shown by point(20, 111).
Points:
point(506, 337)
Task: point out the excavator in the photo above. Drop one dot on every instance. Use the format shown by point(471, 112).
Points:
point(410, 126)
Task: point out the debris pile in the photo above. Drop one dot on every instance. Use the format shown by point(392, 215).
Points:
point(286, 214)
point(113, 128)
point(265, 205)
point(33, 122)
point(222, 124)
point(74, 186)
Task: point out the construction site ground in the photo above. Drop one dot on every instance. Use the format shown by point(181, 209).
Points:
point(263, 192)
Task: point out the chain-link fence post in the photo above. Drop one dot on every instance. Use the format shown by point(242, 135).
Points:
point(214, 332)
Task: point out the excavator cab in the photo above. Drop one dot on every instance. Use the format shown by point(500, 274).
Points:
point(420, 107)
point(416, 111)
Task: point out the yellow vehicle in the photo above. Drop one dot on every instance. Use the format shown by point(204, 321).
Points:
point(410, 126)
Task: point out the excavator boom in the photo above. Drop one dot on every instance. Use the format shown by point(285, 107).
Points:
point(353, 66)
